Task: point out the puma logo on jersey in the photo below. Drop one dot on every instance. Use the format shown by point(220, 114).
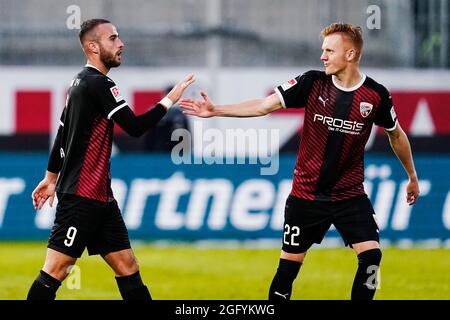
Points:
point(323, 101)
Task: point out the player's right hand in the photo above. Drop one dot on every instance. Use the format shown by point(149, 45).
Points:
point(44, 191)
point(203, 109)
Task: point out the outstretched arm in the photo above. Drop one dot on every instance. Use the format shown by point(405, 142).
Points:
point(136, 126)
point(400, 144)
point(251, 108)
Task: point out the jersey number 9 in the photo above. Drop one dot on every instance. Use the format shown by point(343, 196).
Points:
point(71, 233)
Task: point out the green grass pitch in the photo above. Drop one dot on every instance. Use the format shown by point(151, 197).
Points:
point(184, 272)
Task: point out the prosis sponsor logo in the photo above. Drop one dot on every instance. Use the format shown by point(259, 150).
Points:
point(339, 125)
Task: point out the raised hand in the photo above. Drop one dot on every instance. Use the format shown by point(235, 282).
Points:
point(199, 108)
point(177, 91)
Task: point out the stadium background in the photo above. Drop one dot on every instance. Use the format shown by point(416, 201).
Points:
point(238, 50)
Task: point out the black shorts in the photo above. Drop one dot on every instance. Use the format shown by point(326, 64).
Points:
point(306, 222)
point(82, 222)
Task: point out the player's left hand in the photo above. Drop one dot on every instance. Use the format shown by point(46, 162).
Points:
point(177, 91)
point(412, 191)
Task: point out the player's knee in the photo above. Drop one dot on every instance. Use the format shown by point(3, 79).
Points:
point(57, 264)
point(127, 267)
point(298, 257)
point(59, 271)
point(370, 257)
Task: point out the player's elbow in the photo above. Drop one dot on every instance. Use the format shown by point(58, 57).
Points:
point(394, 136)
point(262, 110)
point(260, 113)
point(136, 134)
point(133, 132)
point(268, 105)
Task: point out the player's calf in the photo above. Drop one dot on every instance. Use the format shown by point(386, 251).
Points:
point(365, 282)
point(281, 287)
point(132, 288)
point(44, 287)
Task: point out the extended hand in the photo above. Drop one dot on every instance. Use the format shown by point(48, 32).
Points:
point(203, 109)
point(44, 191)
point(177, 91)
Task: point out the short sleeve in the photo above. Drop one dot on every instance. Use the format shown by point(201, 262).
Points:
point(294, 93)
point(386, 116)
point(107, 95)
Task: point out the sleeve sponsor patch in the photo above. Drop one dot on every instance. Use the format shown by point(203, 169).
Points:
point(289, 84)
point(116, 93)
point(393, 114)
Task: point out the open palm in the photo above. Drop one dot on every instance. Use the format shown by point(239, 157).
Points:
point(200, 108)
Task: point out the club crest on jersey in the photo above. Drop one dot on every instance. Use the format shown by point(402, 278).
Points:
point(365, 108)
point(289, 84)
point(116, 93)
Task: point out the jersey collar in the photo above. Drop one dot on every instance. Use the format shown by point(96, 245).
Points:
point(355, 87)
point(91, 66)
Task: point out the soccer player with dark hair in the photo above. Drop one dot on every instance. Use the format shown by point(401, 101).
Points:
point(341, 105)
point(87, 215)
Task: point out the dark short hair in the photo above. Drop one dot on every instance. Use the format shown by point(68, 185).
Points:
point(90, 25)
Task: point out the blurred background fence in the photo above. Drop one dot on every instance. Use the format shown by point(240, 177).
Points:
point(242, 33)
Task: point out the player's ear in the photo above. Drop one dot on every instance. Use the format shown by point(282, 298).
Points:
point(93, 47)
point(351, 54)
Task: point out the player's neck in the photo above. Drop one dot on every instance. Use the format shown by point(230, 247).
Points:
point(99, 66)
point(348, 78)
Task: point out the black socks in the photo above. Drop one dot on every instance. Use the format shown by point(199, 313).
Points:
point(281, 286)
point(44, 287)
point(365, 283)
point(132, 288)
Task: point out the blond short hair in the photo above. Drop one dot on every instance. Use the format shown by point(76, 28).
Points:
point(352, 32)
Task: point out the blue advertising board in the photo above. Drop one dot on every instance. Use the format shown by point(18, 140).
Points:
point(162, 200)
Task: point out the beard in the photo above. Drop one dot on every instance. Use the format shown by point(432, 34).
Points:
point(109, 59)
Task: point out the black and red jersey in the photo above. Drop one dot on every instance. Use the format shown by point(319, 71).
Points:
point(81, 152)
point(87, 133)
point(338, 122)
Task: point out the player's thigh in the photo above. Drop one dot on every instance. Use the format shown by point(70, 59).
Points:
point(356, 223)
point(76, 221)
point(112, 235)
point(305, 223)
